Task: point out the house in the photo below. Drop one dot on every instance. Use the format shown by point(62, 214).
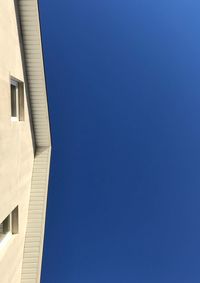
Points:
point(25, 143)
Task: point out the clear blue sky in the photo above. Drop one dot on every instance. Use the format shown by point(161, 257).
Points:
point(123, 81)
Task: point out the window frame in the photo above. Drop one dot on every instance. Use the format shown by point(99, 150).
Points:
point(19, 99)
point(15, 84)
point(10, 225)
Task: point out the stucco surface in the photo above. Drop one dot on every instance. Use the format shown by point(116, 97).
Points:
point(16, 147)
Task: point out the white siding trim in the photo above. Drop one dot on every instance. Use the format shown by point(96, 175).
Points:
point(34, 69)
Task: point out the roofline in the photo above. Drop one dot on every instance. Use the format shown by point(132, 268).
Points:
point(28, 17)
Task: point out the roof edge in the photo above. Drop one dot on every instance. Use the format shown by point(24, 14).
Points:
point(28, 13)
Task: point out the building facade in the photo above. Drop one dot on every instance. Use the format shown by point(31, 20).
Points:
point(25, 143)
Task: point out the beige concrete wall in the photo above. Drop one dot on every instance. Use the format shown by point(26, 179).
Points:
point(16, 150)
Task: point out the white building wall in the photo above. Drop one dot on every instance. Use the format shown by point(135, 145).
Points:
point(16, 148)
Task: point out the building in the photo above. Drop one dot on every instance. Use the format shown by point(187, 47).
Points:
point(25, 143)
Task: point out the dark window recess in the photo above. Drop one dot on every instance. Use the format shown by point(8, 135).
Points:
point(17, 100)
point(13, 101)
point(10, 224)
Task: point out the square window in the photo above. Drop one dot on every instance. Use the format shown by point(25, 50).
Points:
point(5, 227)
point(9, 224)
point(14, 107)
point(17, 100)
